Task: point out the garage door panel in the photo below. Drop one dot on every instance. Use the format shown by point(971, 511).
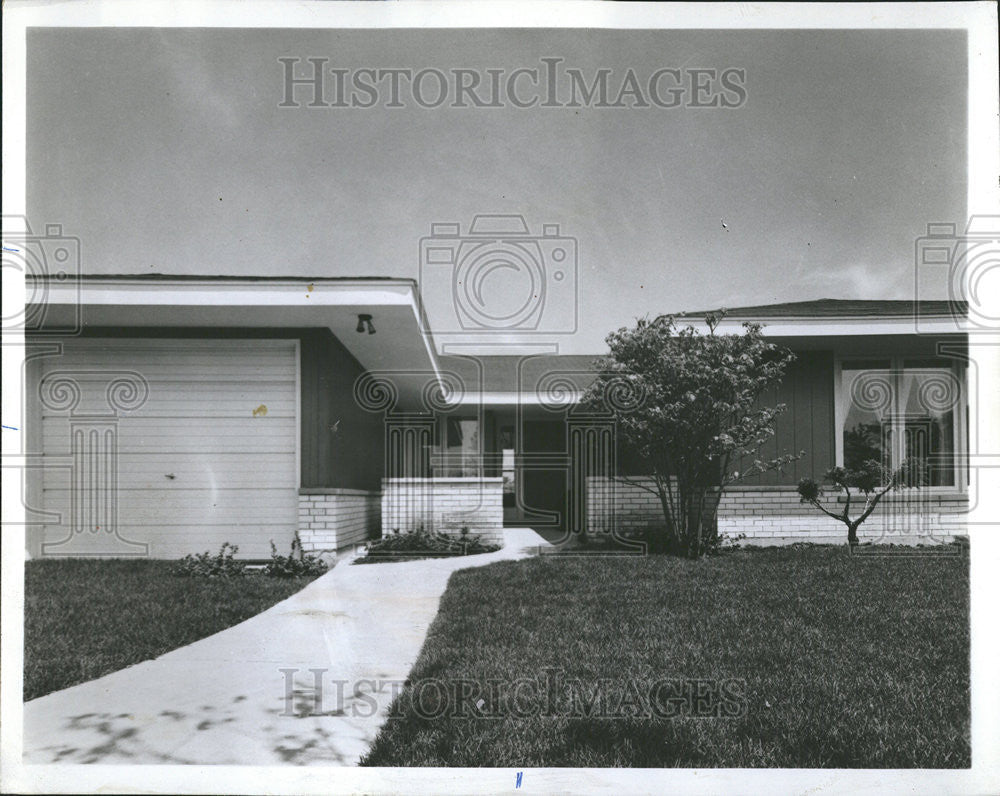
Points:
point(195, 466)
point(190, 506)
point(236, 370)
point(192, 401)
point(227, 469)
point(159, 351)
point(161, 365)
point(176, 541)
point(233, 436)
point(204, 471)
point(194, 405)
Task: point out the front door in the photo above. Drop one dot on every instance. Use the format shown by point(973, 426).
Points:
point(543, 483)
point(508, 470)
point(533, 494)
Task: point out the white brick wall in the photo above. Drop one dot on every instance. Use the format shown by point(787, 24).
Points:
point(775, 515)
point(332, 519)
point(445, 505)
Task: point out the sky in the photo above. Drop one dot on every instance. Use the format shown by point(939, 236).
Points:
point(166, 151)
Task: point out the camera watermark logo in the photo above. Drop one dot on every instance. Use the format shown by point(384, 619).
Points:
point(499, 277)
point(48, 263)
point(967, 266)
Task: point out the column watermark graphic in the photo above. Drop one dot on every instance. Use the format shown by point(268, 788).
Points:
point(91, 497)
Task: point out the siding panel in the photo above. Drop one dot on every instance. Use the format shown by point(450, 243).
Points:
point(807, 423)
point(342, 444)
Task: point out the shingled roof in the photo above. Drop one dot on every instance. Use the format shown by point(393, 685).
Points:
point(842, 308)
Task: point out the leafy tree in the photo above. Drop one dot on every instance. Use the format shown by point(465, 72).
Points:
point(871, 478)
point(688, 410)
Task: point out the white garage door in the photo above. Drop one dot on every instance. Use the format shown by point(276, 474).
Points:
point(169, 447)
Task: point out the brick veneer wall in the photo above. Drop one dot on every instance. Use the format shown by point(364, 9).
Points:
point(775, 515)
point(332, 519)
point(444, 505)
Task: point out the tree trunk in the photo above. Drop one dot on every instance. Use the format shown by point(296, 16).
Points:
point(701, 521)
point(692, 528)
point(852, 536)
point(668, 520)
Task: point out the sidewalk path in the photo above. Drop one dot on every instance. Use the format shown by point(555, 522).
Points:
point(225, 700)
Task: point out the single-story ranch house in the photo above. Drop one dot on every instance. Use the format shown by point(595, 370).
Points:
point(167, 415)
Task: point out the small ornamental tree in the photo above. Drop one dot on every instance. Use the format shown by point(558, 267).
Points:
point(687, 409)
point(871, 478)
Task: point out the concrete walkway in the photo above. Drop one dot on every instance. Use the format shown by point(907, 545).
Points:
point(226, 700)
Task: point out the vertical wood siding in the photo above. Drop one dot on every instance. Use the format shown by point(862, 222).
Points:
point(807, 422)
point(805, 425)
point(342, 444)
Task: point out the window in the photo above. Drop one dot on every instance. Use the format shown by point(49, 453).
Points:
point(902, 412)
point(507, 466)
point(462, 456)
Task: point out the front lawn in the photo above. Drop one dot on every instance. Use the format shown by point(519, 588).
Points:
point(87, 618)
point(790, 657)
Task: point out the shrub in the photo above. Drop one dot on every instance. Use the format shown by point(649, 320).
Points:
point(421, 542)
point(657, 541)
point(205, 565)
point(693, 412)
point(295, 564)
point(724, 542)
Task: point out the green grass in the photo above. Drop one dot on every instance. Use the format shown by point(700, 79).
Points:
point(837, 661)
point(87, 618)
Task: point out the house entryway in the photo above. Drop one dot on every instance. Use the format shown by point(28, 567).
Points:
point(534, 471)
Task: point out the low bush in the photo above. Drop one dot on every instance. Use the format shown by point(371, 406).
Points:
point(205, 565)
point(423, 543)
point(294, 565)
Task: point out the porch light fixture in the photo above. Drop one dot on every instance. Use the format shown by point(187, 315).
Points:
point(365, 322)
